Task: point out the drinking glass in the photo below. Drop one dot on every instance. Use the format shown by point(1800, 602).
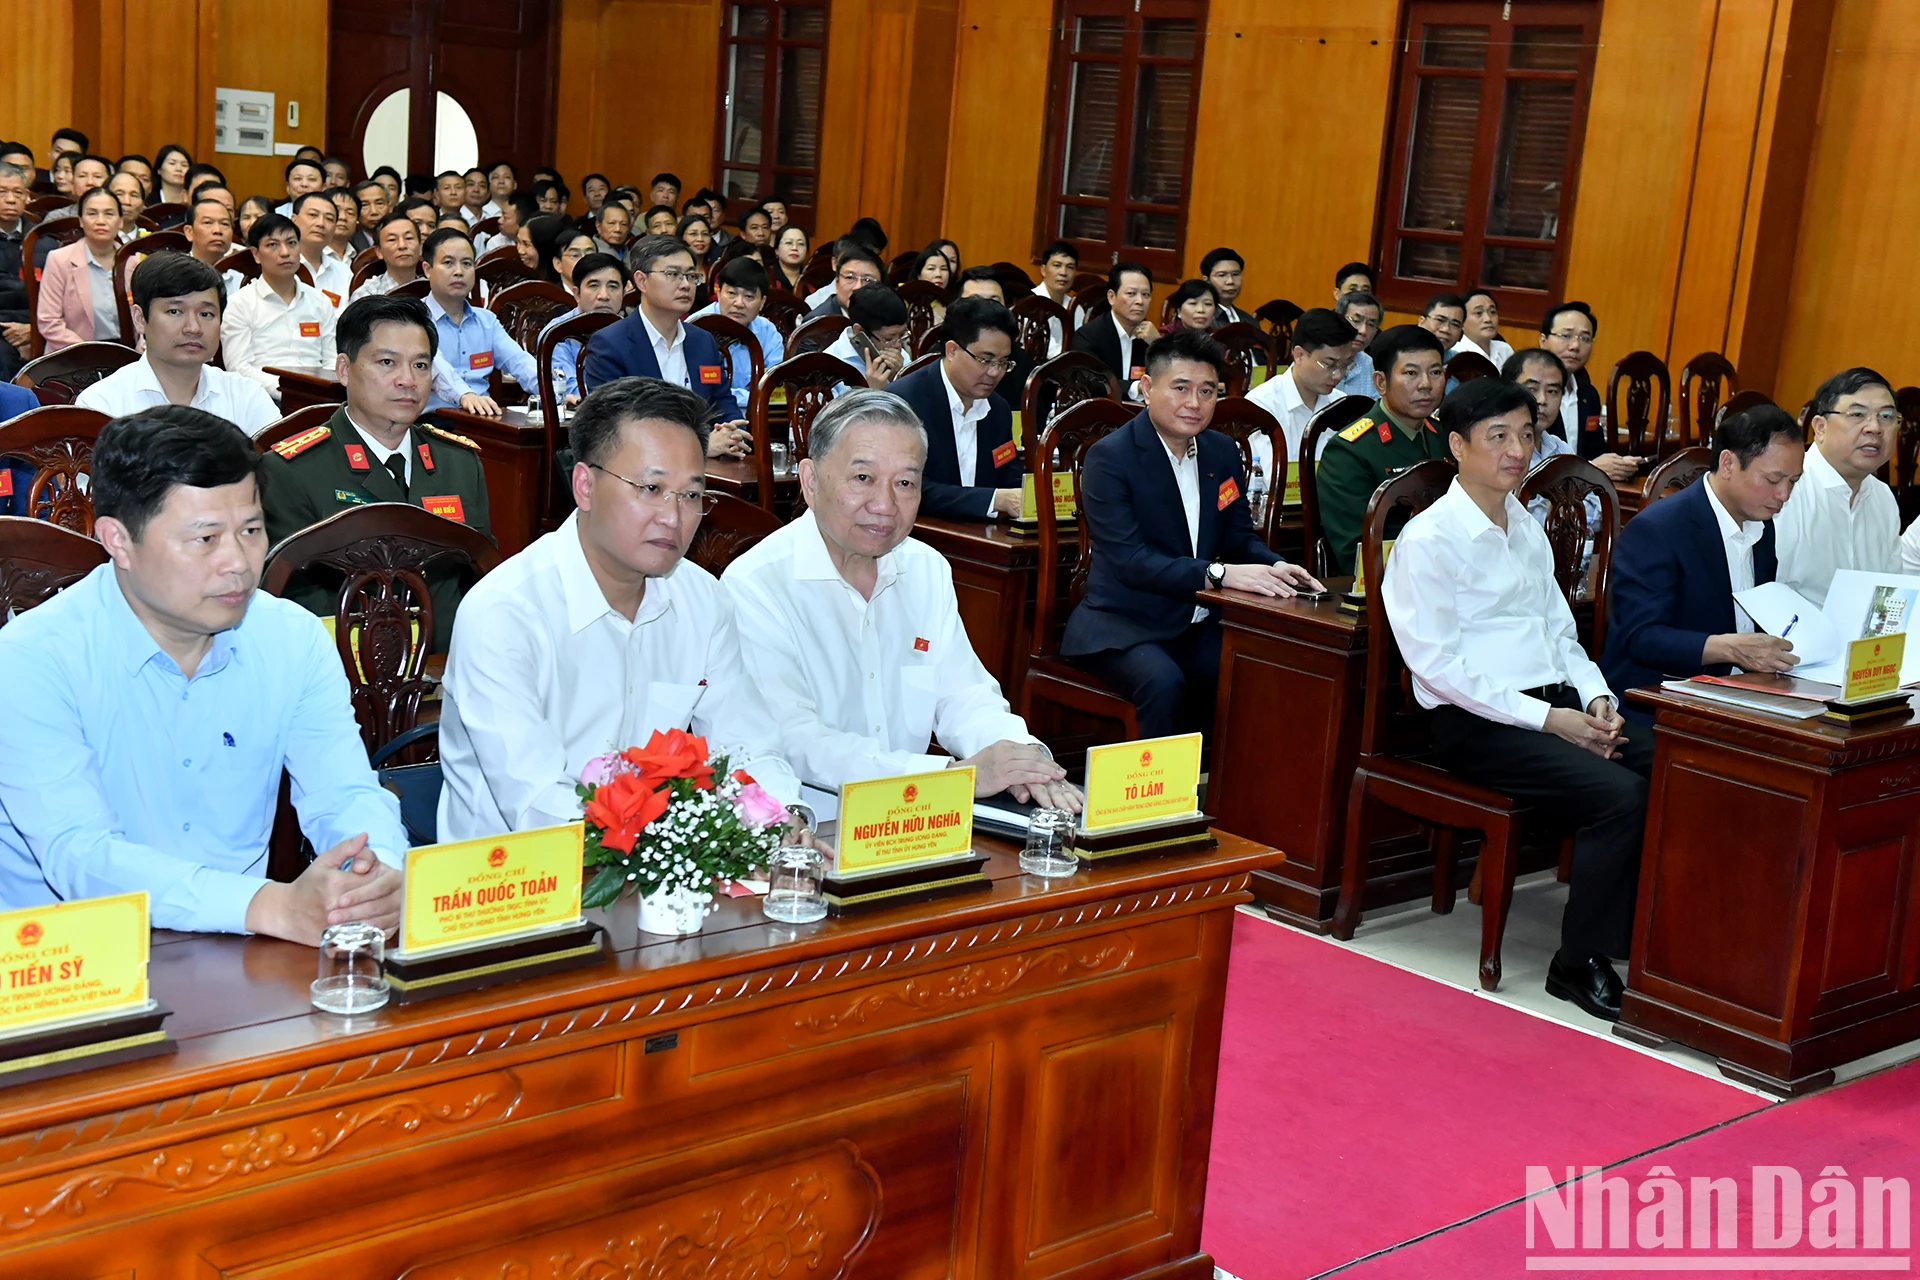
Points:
point(795, 877)
point(352, 974)
point(1049, 850)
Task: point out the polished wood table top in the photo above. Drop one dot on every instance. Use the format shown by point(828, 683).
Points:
point(1324, 613)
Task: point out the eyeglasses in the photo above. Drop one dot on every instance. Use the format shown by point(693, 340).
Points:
point(1329, 365)
point(674, 277)
point(1858, 418)
point(857, 279)
point(992, 364)
point(1573, 337)
point(690, 501)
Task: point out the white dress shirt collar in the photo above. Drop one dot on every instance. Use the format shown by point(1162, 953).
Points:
point(586, 602)
point(1738, 541)
point(664, 342)
point(1126, 343)
point(1570, 411)
point(1744, 534)
point(813, 561)
point(144, 378)
point(969, 413)
point(1820, 473)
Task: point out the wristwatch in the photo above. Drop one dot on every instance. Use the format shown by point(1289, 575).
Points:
point(1216, 574)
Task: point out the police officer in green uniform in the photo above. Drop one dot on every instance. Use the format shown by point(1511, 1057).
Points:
point(1410, 374)
point(372, 450)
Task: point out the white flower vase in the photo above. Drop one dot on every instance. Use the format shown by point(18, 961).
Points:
point(674, 910)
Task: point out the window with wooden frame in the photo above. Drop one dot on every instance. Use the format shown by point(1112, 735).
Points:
point(1124, 88)
point(773, 57)
point(1490, 107)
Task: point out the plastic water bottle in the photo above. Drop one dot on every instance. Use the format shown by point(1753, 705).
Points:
point(1257, 491)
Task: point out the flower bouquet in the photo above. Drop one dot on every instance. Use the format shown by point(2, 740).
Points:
point(667, 821)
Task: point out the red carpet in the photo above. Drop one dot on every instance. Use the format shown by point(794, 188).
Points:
point(1870, 1128)
point(1361, 1106)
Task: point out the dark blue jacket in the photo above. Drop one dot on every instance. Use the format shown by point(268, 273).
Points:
point(1671, 591)
point(942, 494)
point(1145, 573)
point(625, 350)
point(15, 401)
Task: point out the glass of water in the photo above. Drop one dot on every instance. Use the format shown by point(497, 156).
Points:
point(352, 970)
point(779, 457)
point(1049, 850)
point(795, 885)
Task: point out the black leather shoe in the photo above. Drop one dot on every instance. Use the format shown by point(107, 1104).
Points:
point(1590, 983)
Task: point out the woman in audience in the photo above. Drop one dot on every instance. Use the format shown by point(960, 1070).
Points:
point(660, 220)
point(558, 244)
point(776, 214)
point(132, 196)
point(76, 287)
point(252, 209)
point(932, 266)
point(611, 229)
point(170, 169)
point(523, 241)
point(790, 252)
point(697, 234)
point(952, 253)
point(1193, 306)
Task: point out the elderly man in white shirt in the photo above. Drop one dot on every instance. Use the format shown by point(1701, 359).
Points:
point(1481, 333)
point(1518, 705)
point(1322, 347)
point(277, 319)
point(601, 632)
point(856, 632)
point(177, 301)
point(1841, 515)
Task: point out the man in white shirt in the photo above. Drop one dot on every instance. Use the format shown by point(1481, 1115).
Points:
point(177, 301)
point(855, 630)
point(277, 318)
point(303, 175)
point(875, 342)
point(601, 632)
point(399, 246)
point(1518, 705)
point(209, 230)
point(1322, 346)
point(475, 207)
point(1059, 264)
point(1481, 331)
point(1841, 515)
point(502, 181)
point(316, 216)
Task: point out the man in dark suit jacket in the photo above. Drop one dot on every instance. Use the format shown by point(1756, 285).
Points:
point(664, 272)
point(1121, 336)
point(1166, 505)
point(954, 399)
point(1673, 613)
point(1567, 330)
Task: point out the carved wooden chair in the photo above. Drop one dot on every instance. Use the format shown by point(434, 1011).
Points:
point(900, 270)
point(816, 335)
point(60, 377)
point(523, 309)
point(1566, 482)
point(367, 257)
point(41, 206)
point(1087, 302)
point(56, 440)
point(1638, 421)
point(931, 343)
point(1468, 365)
point(501, 269)
point(57, 231)
point(556, 498)
point(38, 559)
point(1738, 402)
point(314, 415)
point(1239, 418)
point(1393, 736)
point(1248, 348)
point(416, 288)
point(383, 625)
point(784, 312)
point(1342, 413)
point(1014, 280)
point(733, 528)
point(1064, 381)
point(1050, 678)
point(822, 257)
point(167, 213)
point(808, 381)
point(243, 261)
point(726, 335)
point(1706, 382)
point(126, 258)
point(1675, 472)
point(486, 227)
point(1035, 316)
point(918, 363)
point(1276, 318)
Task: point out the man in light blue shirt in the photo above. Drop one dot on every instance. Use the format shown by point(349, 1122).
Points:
point(155, 702)
point(1361, 310)
point(741, 293)
point(472, 341)
point(599, 281)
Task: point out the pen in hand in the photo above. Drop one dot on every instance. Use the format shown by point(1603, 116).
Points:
point(1789, 630)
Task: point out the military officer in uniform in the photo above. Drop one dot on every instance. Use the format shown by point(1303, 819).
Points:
point(372, 450)
point(1409, 375)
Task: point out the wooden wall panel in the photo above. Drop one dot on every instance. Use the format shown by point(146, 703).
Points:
point(1852, 299)
point(998, 136)
point(278, 48)
point(36, 93)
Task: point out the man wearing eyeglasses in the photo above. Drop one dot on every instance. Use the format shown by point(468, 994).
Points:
point(1322, 346)
point(854, 268)
point(601, 632)
point(1568, 330)
point(973, 468)
point(654, 342)
point(1841, 515)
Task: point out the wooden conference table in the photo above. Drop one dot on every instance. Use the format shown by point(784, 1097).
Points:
point(1014, 1083)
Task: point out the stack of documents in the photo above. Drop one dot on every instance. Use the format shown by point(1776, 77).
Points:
point(1858, 605)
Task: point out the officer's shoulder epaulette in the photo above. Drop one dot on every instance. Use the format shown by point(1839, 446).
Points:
point(463, 441)
point(1357, 430)
point(294, 446)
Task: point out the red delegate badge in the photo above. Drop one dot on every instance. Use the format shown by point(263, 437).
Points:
point(710, 374)
point(426, 456)
point(357, 458)
point(309, 328)
point(920, 644)
point(447, 505)
point(1229, 490)
point(1003, 455)
point(6, 481)
point(480, 360)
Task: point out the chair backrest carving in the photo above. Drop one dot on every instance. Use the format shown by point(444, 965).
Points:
point(1067, 438)
point(1248, 349)
point(1238, 418)
point(816, 335)
point(1276, 318)
point(126, 258)
point(57, 441)
point(725, 334)
point(243, 261)
point(523, 310)
point(554, 503)
point(38, 559)
point(1675, 472)
point(1057, 384)
point(1340, 414)
point(1566, 482)
point(1638, 421)
point(500, 269)
point(733, 528)
point(809, 383)
point(784, 312)
point(1036, 317)
point(1706, 382)
point(1468, 365)
point(60, 376)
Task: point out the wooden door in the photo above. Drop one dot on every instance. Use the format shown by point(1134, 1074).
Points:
point(494, 57)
